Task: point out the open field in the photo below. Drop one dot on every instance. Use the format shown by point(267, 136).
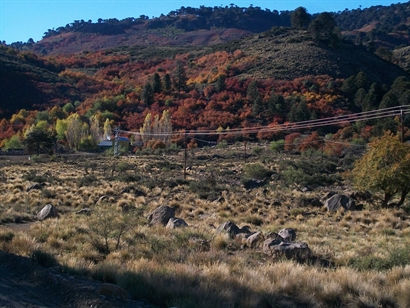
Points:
point(360, 258)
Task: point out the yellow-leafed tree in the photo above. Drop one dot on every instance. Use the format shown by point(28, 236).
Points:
point(385, 167)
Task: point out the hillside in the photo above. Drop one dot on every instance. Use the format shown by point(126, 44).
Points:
point(215, 89)
point(27, 80)
point(287, 54)
point(265, 78)
point(375, 27)
point(75, 42)
point(186, 26)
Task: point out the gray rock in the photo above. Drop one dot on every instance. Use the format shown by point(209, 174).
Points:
point(294, 250)
point(288, 234)
point(270, 242)
point(272, 235)
point(233, 230)
point(48, 211)
point(329, 194)
point(176, 223)
point(335, 202)
point(101, 199)
point(35, 186)
point(229, 227)
point(245, 229)
point(254, 240)
point(161, 215)
point(84, 211)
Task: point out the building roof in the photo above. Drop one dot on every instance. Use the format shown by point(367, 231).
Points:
point(105, 143)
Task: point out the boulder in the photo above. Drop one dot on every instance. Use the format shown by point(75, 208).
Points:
point(161, 215)
point(329, 194)
point(245, 230)
point(253, 183)
point(101, 199)
point(270, 242)
point(233, 230)
point(48, 211)
point(35, 186)
point(84, 211)
point(288, 234)
point(229, 227)
point(176, 223)
point(271, 235)
point(294, 250)
point(254, 240)
point(336, 201)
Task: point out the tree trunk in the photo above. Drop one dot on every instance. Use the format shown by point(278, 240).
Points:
point(387, 197)
point(403, 197)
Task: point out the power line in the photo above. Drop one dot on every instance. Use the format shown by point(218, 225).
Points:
point(341, 119)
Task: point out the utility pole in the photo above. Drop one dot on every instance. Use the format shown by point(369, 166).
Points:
point(401, 126)
point(116, 143)
point(185, 155)
point(244, 144)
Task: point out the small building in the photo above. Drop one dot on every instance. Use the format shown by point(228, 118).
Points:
point(106, 144)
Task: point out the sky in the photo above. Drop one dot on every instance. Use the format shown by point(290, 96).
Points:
point(24, 19)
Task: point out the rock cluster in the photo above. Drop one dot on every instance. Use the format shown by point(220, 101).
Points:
point(281, 244)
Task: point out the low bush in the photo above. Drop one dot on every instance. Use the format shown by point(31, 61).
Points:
point(33, 176)
point(277, 146)
point(87, 180)
point(313, 172)
point(6, 236)
point(257, 172)
point(396, 257)
point(206, 189)
point(43, 258)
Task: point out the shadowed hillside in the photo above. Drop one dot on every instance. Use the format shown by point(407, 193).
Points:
point(27, 80)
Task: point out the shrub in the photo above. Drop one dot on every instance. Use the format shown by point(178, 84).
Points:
point(6, 236)
point(43, 258)
point(87, 180)
point(257, 172)
point(34, 177)
point(206, 189)
point(385, 167)
point(277, 146)
point(13, 143)
point(108, 225)
point(222, 144)
point(257, 151)
point(396, 257)
point(308, 172)
point(255, 220)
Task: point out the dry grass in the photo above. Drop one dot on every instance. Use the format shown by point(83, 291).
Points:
point(366, 251)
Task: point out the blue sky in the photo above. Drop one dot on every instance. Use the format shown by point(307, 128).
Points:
point(24, 19)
